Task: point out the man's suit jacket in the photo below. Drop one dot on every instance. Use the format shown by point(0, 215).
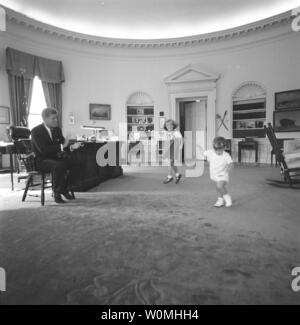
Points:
point(43, 146)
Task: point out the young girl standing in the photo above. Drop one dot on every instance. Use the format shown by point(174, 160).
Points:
point(220, 164)
point(174, 138)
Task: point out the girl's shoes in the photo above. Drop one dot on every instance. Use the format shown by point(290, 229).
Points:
point(168, 180)
point(178, 178)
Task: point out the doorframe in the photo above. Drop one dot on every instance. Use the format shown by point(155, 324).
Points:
point(210, 95)
point(194, 100)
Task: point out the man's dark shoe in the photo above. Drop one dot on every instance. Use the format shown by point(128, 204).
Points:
point(68, 196)
point(178, 178)
point(58, 199)
point(168, 180)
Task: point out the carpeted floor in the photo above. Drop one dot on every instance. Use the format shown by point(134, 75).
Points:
point(134, 240)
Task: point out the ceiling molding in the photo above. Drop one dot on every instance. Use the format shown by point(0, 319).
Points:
point(249, 29)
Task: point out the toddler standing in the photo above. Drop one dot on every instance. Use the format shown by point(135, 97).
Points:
point(220, 164)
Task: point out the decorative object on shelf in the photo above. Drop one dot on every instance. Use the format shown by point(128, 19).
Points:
point(162, 121)
point(149, 120)
point(287, 120)
point(287, 99)
point(4, 115)
point(140, 119)
point(100, 112)
point(249, 118)
point(222, 120)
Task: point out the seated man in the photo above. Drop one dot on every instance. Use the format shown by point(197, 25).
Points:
point(49, 146)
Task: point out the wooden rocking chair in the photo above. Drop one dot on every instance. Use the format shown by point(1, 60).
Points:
point(289, 162)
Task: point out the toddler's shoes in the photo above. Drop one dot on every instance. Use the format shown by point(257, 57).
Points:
point(228, 200)
point(220, 202)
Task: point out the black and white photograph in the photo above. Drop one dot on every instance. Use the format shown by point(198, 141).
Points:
point(149, 155)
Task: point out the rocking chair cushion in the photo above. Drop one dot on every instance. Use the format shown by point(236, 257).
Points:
point(292, 155)
point(293, 164)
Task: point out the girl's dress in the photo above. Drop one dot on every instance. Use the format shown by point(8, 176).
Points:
point(173, 146)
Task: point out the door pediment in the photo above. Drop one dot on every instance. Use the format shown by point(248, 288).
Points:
point(191, 73)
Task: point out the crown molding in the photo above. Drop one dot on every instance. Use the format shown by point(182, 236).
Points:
point(17, 18)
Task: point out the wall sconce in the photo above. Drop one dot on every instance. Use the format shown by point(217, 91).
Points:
point(71, 119)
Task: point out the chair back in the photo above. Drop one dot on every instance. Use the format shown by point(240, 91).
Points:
point(19, 132)
point(275, 145)
point(25, 154)
point(228, 146)
point(21, 138)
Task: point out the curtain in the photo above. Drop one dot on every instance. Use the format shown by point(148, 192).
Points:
point(20, 90)
point(22, 68)
point(53, 96)
point(49, 70)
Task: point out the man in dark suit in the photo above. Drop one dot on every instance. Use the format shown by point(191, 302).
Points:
point(51, 148)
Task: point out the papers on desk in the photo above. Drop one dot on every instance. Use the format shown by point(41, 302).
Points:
point(5, 144)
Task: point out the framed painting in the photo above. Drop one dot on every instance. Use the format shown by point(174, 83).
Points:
point(100, 112)
point(4, 115)
point(287, 99)
point(287, 120)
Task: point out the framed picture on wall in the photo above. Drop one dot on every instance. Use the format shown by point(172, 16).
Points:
point(287, 99)
point(287, 120)
point(4, 115)
point(100, 112)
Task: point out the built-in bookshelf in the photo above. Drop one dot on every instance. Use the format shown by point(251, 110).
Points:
point(248, 118)
point(140, 119)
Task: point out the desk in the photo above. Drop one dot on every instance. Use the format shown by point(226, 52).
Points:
point(7, 148)
point(247, 145)
point(87, 173)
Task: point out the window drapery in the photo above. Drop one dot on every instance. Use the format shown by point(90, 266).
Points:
point(53, 96)
point(22, 68)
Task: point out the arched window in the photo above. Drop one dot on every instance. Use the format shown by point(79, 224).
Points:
point(249, 111)
point(140, 115)
point(37, 104)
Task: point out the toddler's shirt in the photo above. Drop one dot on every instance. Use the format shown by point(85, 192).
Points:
point(218, 164)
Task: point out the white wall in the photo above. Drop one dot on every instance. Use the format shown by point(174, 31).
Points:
point(102, 75)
